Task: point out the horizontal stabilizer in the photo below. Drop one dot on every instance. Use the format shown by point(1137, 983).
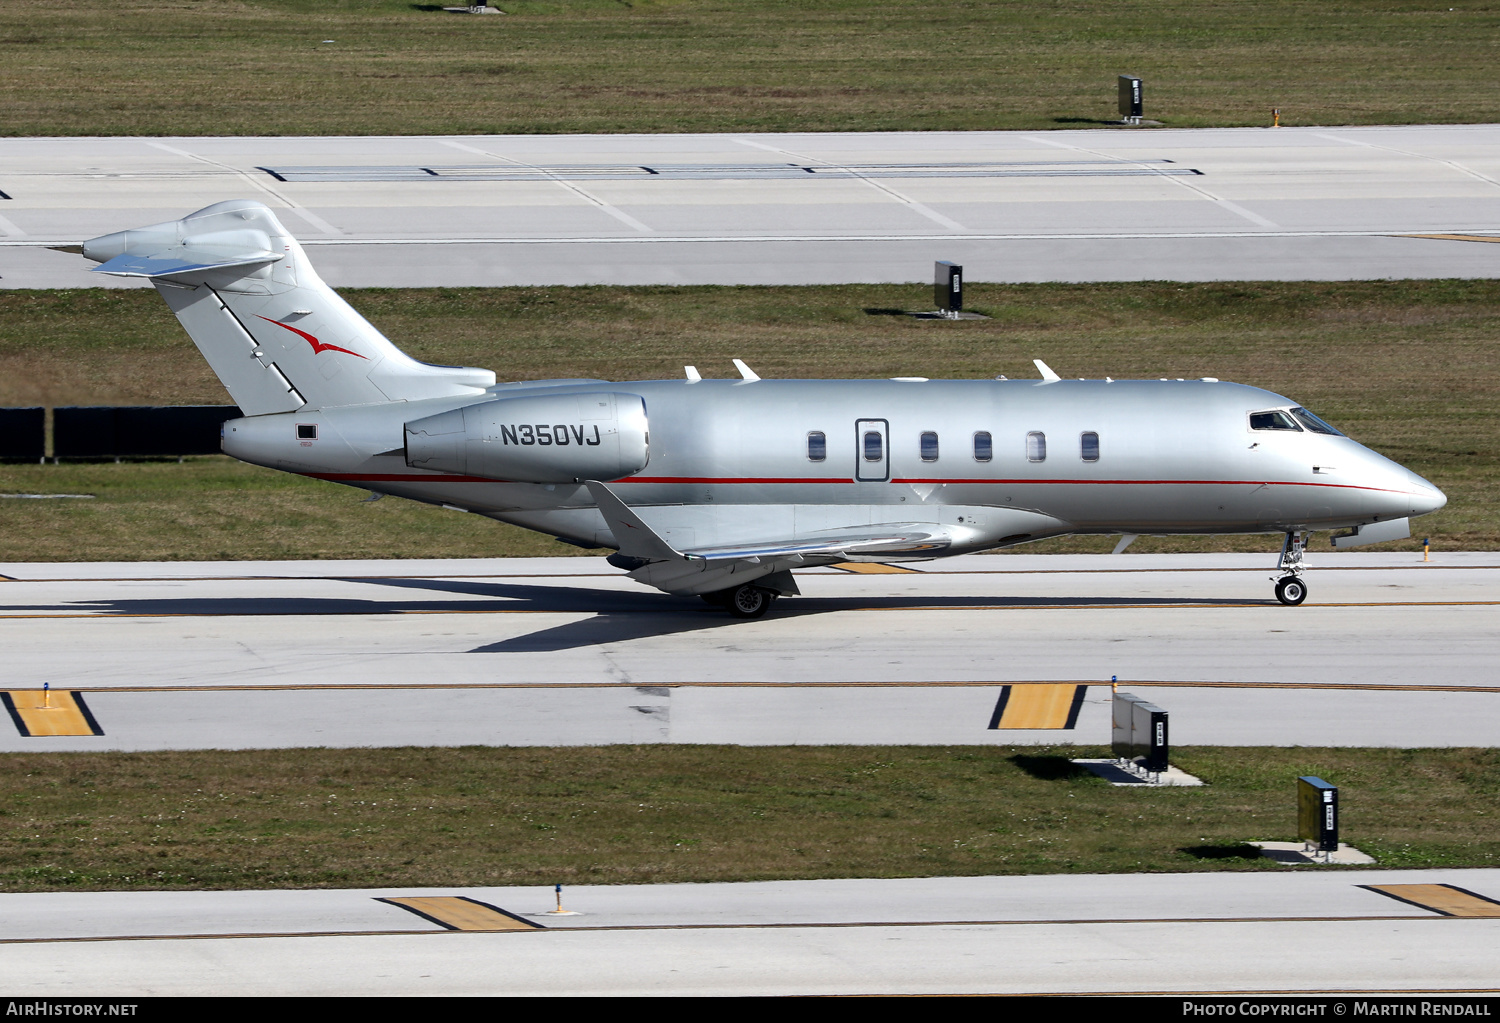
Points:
point(176, 261)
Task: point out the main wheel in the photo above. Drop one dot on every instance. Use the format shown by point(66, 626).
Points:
point(750, 601)
point(1290, 590)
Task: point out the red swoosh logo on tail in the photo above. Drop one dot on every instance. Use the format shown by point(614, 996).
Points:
point(317, 346)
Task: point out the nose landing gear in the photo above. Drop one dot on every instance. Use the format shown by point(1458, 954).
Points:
point(1290, 588)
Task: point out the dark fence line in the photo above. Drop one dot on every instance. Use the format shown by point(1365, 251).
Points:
point(23, 433)
point(114, 431)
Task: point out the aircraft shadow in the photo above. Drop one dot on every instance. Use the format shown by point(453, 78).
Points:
point(614, 616)
point(568, 600)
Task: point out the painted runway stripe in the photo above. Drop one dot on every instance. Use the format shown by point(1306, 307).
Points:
point(1455, 237)
point(1378, 687)
point(1112, 606)
point(37, 712)
point(873, 568)
point(1038, 705)
point(461, 913)
point(811, 925)
point(1447, 899)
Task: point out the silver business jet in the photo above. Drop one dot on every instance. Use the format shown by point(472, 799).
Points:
point(722, 487)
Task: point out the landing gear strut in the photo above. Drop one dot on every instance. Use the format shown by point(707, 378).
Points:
point(1290, 589)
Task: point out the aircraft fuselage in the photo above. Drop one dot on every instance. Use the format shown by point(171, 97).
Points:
point(735, 461)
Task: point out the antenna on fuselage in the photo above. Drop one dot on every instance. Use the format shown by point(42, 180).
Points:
point(692, 374)
point(1046, 371)
point(745, 371)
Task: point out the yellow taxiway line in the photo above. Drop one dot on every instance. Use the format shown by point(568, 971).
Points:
point(1112, 606)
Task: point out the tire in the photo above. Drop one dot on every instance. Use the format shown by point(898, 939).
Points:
point(1290, 590)
point(750, 601)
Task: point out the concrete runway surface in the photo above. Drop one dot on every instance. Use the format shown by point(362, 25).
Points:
point(1301, 930)
point(1087, 205)
point(1388, 651)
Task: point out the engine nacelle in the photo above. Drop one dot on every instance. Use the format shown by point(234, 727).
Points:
point(560, 438)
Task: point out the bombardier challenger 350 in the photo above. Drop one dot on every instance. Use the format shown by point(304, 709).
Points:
point(722, 487)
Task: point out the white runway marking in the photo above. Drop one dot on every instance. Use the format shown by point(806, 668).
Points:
point(1211, 204)
point(1389, 651)
point(1179, 933)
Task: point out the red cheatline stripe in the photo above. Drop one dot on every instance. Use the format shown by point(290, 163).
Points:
point(1161, 483)
point(729, 479)
point(397, 477)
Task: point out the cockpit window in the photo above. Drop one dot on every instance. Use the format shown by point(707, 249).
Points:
point(1313, 423)
point(1276, 420)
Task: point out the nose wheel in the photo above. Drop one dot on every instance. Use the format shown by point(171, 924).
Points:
point(1290, 588)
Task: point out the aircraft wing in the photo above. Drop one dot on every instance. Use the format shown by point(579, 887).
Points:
point(899, 538)
point(639, 540)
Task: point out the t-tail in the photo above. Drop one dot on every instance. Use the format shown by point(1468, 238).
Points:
point(276, 335)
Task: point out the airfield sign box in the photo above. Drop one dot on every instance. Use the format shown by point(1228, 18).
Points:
point(1132, 100)
point(948, 286)
point(1139, 732)
point(1318, 813)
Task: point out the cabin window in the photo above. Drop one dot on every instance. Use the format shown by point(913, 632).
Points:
point(307, 431)
point(1090, 446)
point(1036, 447)
point(1276, 420)
point(817, 446)
point(984, 446)
point(874, 446)
point(1313, 423)
point(929, 447)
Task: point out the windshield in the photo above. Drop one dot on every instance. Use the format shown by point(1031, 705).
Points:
point(1313, 423)
point(1274, 420)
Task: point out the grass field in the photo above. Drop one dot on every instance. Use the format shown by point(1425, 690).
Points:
point(373, 67)
point(618, 814)
point(1408, 367)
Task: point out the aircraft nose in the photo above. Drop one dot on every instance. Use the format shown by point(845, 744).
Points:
point(1425, 497)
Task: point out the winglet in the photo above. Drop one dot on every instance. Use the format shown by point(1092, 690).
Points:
point(636, 539)
point(1047, 375)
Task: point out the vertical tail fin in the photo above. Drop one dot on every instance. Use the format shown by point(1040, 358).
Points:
point(276, 335)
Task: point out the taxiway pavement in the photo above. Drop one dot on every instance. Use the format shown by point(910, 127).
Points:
point(1085, 205)
point(1388, 651)
point(1304, 929)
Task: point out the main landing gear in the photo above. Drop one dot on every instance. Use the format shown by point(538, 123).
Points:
point(747, 601)
point(1290, 589)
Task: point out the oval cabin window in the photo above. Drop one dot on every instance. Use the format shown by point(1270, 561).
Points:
point(1036, 447)
point(1090, 447)
point(929, 447)
point(984, 446)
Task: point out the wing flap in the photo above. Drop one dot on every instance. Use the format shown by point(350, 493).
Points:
point(900, 538)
